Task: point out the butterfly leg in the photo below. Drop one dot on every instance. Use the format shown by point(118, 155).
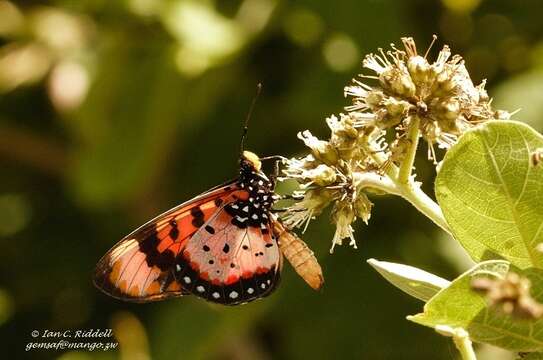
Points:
point(286, 209)
point(274, 157)
point(275, 175)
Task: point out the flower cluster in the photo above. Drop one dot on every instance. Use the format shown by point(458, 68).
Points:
point(439, 95)
point(380, 130)
point(329, 174)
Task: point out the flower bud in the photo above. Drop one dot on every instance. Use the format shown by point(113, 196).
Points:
point(419, 69)
point(374, 99)
point(398, 82)
point(446, 113)
point(322, 175)
point(321, 150)
point(396, 107)
point(444, 84)
point(363, 206)
point(312, 204)
point(343, 216)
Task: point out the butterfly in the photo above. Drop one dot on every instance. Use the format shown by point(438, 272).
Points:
point(225, 246)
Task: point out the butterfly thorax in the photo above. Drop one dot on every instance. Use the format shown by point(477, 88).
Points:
point(253, 209)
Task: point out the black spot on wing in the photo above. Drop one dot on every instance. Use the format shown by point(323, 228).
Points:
point(149, 246)
point(197, 216)
point(196, 212)
point(210, 229)
point(174, 233)
point(197, 222)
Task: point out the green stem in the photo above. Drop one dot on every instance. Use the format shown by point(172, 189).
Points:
point(464, 346)
point(413, 142)
point(409, 190)
point(418, 198)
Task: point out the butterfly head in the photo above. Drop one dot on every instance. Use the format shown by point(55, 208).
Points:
point(250, 161)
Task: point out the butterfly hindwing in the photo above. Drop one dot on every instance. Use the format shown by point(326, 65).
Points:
point(141, 267)
point(228, 263)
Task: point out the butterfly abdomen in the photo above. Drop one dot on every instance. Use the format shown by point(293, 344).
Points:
point(299, 255)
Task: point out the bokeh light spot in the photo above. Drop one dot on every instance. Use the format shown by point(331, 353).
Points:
point(131, 336)
point(22, 64)
point(11, 19)
point(464, 6)
point(59, 29)
point(482, 63)
point(456, 28)
point(206, 38)
point(515, 53)
point(340, 52)
point(6, 306)
point(15, 212)
point(68, 85)
point(143, 7)
point(254, 15)
point(303, 27)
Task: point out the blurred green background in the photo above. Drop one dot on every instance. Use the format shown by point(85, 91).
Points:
point(113, 111)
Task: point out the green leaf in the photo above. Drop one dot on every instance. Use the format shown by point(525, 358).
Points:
point(459, 306)
point(415, 282)
point(492, 195)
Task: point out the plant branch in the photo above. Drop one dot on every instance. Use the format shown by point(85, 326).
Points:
point(460, 338)
point(413, 142)
point(410, 192)
point(465, 347)
point(418, 198)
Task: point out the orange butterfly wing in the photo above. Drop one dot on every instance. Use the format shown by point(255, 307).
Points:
point(231, 263)
point(141, 267)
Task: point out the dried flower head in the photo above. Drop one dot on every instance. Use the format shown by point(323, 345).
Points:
point(510, 294)
point(440, 94)
point(328, 175)
point(537, 156)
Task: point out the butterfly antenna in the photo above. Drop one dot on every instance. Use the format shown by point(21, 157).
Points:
point(246, 125)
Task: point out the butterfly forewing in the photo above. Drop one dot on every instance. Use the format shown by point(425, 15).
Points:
point(141, 266)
